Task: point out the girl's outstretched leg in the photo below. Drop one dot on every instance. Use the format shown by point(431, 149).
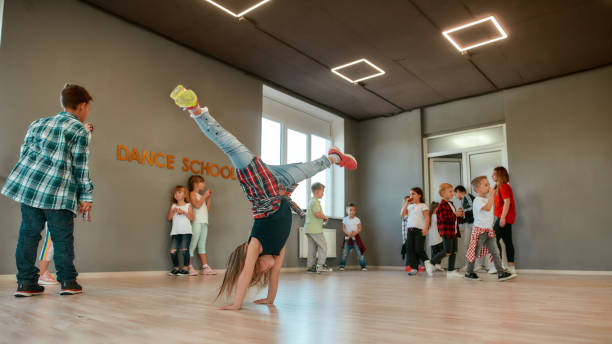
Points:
point(294, 173)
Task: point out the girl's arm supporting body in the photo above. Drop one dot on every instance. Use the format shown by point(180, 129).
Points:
point(274, 277)
point(245, 276)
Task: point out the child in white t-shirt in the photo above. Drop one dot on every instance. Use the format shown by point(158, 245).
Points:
point(418, 227)
point(181, 215)
point(351, 226)
point(483, 236)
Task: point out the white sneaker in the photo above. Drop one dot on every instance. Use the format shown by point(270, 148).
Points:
point(512, 269)
point(453, 274)
point(320, 269)
point(429, 268)
point(364, 269)
point(481, 269)
point(439, 267)
point(492, 270)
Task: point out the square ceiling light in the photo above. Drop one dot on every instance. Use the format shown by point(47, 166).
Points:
point(364, 63)
point(237, 15)
point(490, 20)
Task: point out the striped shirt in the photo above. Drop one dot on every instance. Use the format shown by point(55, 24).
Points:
point(263, 190)
point(52, 171)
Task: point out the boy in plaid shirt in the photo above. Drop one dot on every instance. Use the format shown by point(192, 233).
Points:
point(448, 228)
point(51, 182)
point(483, 240)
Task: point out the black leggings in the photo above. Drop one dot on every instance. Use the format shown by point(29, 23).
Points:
point(450, 247)
point(504, 234)
point(415, 247)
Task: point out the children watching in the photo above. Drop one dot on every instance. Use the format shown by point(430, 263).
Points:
point(351, 226)
point(483, 236)
point(448, 229)
point(199, 227)
point(181, 215)
point(317, 246)
point(418, 225)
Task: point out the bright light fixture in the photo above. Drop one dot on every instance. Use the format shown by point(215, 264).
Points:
point(238, 15)
point(502, 33)
point(336, 69)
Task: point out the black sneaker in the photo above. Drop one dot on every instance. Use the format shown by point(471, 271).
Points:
point(70, 288)
point(183, 272)
point(312, 269)
point(174, 272)
point(472, 277)
point(28, 289)
point(504, 276)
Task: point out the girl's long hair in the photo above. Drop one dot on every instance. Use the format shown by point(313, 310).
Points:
point(235, 265)
point(502, 175)
point(419, 192)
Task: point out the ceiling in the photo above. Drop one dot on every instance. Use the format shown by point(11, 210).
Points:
point(292, 44)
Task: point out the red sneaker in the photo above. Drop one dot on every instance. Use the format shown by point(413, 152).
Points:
point(408, 269)
point(346, 160)
point(421, 268)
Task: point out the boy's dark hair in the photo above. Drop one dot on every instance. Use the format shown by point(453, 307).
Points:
point(432, 207)
point(73, 95)
point(317, 186)
point(460, 188)
point(193, 180)
point(351, 205)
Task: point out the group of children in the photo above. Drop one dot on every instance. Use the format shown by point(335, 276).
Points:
point(189, 215)
point(487, 218)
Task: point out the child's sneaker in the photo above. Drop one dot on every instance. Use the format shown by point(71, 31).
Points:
point(364, 269)
point(421, 268)
point(504, 276)
point(429, 267)
point(70, 288)
point(341, 268)
point(412, 272)
point(207, 270)
point(28, 289)
point(492, 271)
point(512, 270)
point(439, 267)
point(346, 160)
point(183, 272)
point(192, 271)
point(452, 274)
point(183, 97)
point(327, 268)
point(312, 269)
point(173, 272)
point(408, 268)
point(319, 269)
point(481, 269)
point(471, 277)
point(47, 279)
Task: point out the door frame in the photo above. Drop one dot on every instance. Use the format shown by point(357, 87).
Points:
point(464, 154)
point(434, 159)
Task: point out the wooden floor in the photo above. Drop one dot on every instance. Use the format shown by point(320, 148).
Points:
point(340, 307)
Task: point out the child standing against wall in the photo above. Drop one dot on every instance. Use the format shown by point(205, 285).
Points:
point(181, 215)
point(351, 226)
point(317, 246)
point(418, 226)
point(483, 236)
point(448, 229)
point(199, 227)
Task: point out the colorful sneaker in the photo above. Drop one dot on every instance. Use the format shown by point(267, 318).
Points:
point(504, 276)
point(408, 269)
point(207, 270)
point(471, 277)
point(28, 289)
point(47, 279)
point(346, 160)
point(192, 271)
point(184, 98)
point(70, 288)
point(341, 268)
point(429, 267)
point(183, 272)
point(421, 268)
point(174, 272)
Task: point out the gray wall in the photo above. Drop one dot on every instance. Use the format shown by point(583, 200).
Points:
point(390, 163)
point(130, 73)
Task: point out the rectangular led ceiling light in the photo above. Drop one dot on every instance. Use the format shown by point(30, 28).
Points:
point(502, 33)
point(377, 71)
point(238, 15)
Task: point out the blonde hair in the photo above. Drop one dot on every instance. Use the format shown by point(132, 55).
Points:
point(477, 181)
point(443, 187)
point(177, 188)
point(235, 265)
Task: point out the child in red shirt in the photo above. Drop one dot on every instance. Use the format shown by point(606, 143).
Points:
point(505, 213)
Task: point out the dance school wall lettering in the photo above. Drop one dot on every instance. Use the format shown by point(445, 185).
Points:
point(162, 160)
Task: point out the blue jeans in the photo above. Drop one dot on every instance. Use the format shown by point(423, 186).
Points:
point(60, 224)
point(347, 250)
point(241, 156)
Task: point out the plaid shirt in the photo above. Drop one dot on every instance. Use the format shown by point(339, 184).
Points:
point(404, 228)
point(263, 190)
point(447, 221)
point(471, 254)
point(52, 171)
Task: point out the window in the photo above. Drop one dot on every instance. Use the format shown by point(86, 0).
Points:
point(1, 14)
point(300, 147)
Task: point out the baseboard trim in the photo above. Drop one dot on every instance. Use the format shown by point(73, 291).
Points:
point(302, 269)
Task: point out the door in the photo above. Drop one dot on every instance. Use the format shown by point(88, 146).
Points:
point(483, 163)
point(443, 170)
